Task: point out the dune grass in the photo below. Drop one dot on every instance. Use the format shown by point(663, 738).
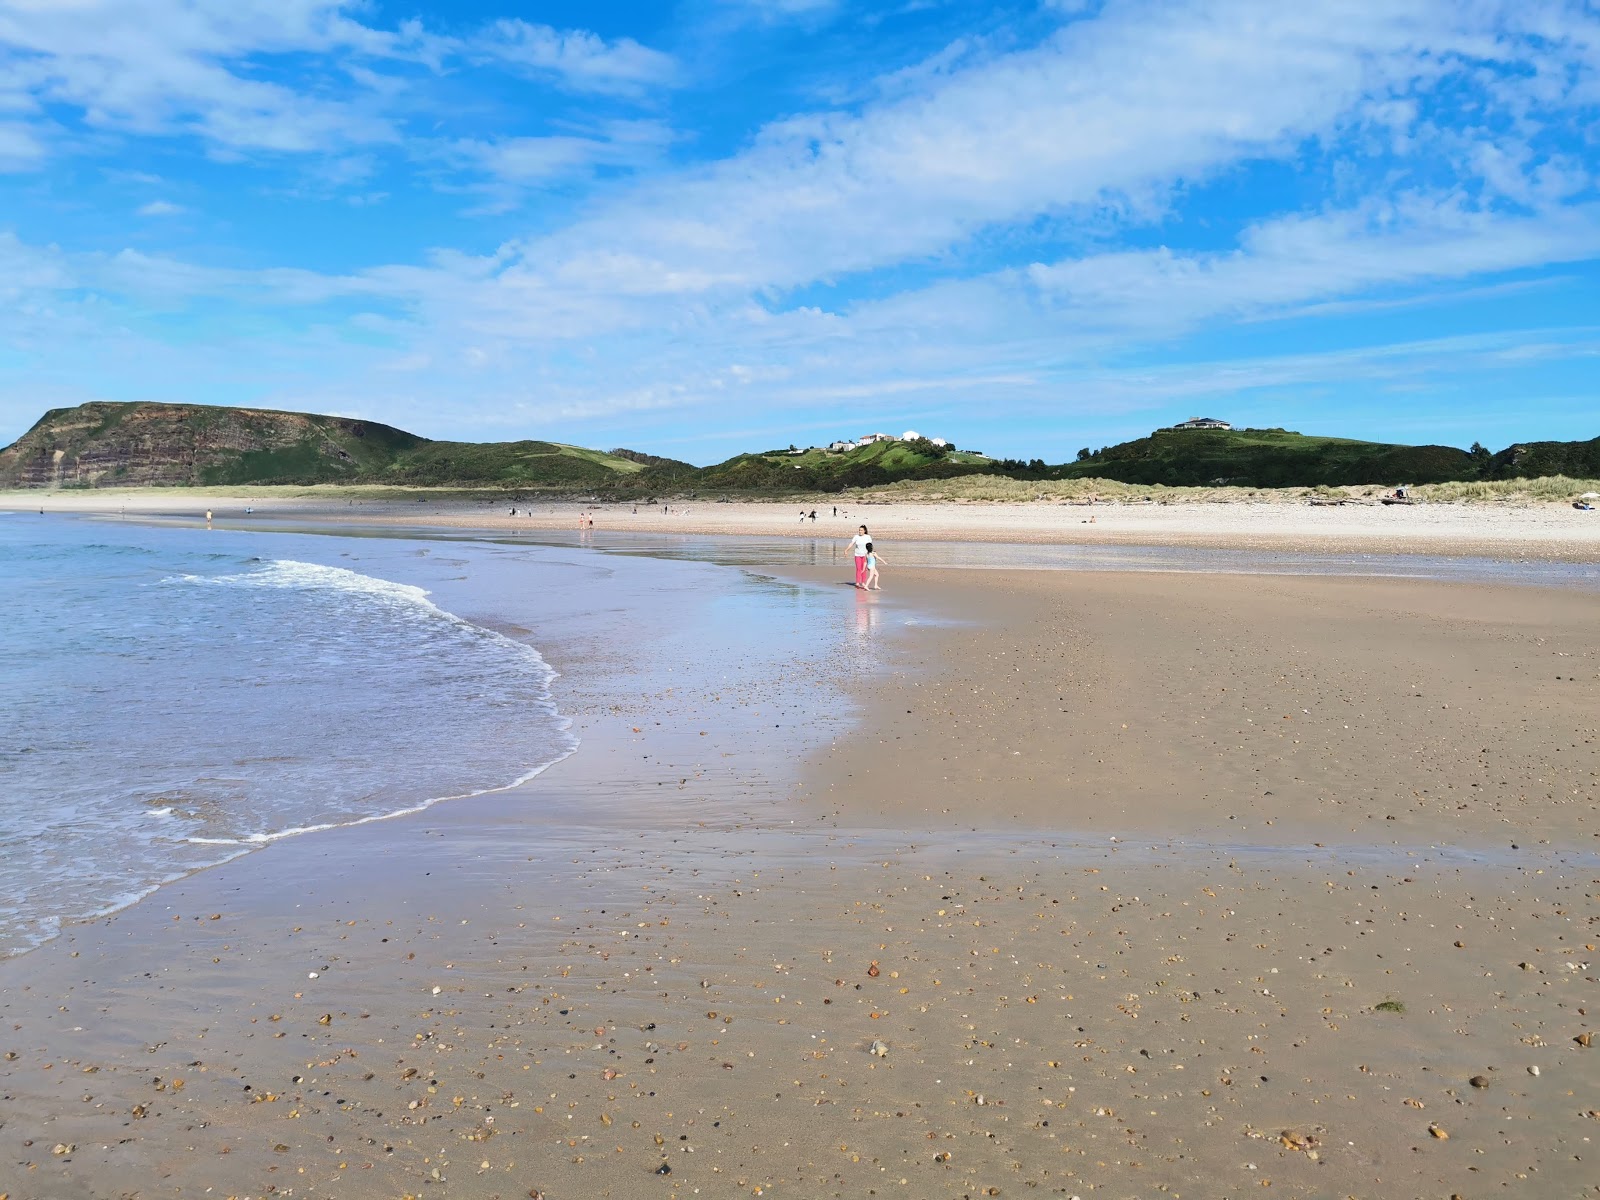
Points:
point(997, 489)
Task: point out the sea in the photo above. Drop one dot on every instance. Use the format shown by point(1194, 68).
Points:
point(173, 697)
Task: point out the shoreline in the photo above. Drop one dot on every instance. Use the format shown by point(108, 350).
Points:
point(1123, 1000)
point(1547, 532)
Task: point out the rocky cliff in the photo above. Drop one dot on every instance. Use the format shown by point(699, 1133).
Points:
point(135, 445)
point(144, 445)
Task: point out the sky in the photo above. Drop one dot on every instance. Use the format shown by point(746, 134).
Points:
point(703, 227)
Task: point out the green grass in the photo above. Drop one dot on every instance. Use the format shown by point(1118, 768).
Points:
point(1389, 1006)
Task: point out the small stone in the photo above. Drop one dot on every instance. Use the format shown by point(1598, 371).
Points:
point(1585, 1040)
point(664, 1169)
point(1479, 1081)
point(1438, 1133)
point(1533, 1070)
point(63, 1148)
point(880, 1049)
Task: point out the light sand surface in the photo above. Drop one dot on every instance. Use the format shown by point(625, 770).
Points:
point(1548, 531)
point(1080, 922)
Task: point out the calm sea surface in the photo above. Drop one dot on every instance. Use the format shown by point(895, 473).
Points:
point(170, 698)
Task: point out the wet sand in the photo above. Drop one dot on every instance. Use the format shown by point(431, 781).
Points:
point(1070, 908)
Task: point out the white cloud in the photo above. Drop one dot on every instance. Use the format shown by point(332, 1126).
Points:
point(20, 148)
point(161, 67)
point(282, 76)
point(1110, 114)
point(536, 161)
point(160, 208)
point(779, 10)
point(1292, 261)
point(576, 58)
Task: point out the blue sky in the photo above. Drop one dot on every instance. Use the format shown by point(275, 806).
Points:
point(704, 227)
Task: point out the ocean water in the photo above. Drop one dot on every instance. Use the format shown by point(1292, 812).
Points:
point(172, 697)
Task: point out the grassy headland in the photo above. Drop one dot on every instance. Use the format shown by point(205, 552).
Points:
point(142, 445)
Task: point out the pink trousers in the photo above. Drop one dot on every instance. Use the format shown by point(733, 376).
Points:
point(861, 570)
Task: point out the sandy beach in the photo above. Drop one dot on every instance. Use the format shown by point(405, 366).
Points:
point(1505, 531)
point(1043, 882)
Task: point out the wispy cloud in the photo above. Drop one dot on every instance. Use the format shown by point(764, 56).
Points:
point(554, 158)
point(160, 208)
point(266, 76)
point(575, 59)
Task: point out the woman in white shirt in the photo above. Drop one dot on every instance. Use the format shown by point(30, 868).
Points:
point(858, 547)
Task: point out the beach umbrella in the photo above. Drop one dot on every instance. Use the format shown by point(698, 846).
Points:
point(1591, 496)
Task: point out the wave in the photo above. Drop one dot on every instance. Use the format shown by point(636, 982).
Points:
point(368, 629)
point(257, 840)
point(289, 574)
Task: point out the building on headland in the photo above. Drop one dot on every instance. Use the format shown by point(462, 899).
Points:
point(1203, 423)
point(910, 435)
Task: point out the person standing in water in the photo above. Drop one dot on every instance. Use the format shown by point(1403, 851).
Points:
point(873, 559)
point(859, 547)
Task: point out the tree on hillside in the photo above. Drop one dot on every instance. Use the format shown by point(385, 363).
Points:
point(1085, 454)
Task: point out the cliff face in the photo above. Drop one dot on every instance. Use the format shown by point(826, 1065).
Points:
point(134, 445)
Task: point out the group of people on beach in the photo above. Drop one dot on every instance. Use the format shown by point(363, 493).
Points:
point(867, 560)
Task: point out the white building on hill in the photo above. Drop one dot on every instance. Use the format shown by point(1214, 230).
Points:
point(910, 435)
point(1203, 423)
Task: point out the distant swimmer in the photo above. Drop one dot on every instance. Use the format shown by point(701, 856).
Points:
point(208, 516)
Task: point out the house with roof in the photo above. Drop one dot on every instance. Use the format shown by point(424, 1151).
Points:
point(1203, 423)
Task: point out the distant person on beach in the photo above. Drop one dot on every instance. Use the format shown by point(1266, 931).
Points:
point(872, 569)
point(860, 545)
point(836, 510)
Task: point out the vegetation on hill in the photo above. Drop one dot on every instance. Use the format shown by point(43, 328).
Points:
point(145, 444)
point(818, 470)
point(1532, 460)
point(1268, 458)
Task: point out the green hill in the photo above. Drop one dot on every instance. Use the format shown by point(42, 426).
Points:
point(146, 444)
point(1269, 458)
point(818, 470)
point(1533, 460)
